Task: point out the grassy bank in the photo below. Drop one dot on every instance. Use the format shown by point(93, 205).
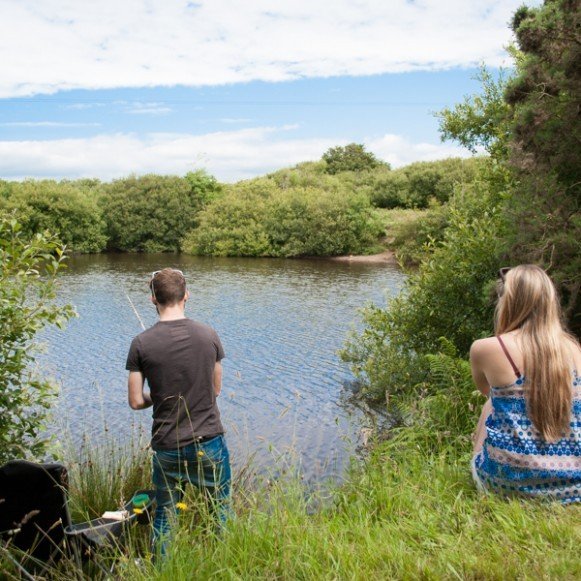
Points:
point(403, 514)
point(407, 510)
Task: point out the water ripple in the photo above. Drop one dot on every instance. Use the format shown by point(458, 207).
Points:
point(281, 323)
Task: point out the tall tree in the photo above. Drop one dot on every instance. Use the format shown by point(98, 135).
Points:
point(545, 98)
point(352, 157)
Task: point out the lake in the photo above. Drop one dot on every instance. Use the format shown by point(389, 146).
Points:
point(285, 390)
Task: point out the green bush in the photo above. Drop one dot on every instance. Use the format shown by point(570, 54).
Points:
point(27, 290)
point(415, 239)
point(352, 157)
point(153, 213)
point(419, 184)
point(233, 224)
point(390, 190)
point(67, 209)
point(449, 296)
point(259, 219)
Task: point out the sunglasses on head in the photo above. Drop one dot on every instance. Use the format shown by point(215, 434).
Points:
point(503, 272)
point(156, 272)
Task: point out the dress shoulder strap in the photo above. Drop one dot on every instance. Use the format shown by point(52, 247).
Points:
point(514, 367)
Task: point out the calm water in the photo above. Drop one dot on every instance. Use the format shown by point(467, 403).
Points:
point(281, 323)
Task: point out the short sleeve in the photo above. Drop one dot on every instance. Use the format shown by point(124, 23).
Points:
point(219, 349)
point(133, 357)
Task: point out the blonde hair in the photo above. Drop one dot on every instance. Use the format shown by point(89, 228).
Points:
point(530, 304)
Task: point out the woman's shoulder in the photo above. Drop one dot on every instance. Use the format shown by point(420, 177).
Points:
point(483, 346)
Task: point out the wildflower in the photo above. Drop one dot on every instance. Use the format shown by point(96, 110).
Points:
point(200, 453)
point(137, 510)
point(181, 506)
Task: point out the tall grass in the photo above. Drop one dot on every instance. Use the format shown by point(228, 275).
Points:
point(403, 513)
point(407, 510)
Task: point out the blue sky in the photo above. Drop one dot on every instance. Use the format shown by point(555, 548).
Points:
point(239, 88)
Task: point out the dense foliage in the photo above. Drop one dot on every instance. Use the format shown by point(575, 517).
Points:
point(297, 211)
point(66, 209)
point(544, 97)
point(448, 296)
point(153, 213)
point(260, 219)
point(523, 206)
point(27, 290)
point(418, 184)
point(352, 157)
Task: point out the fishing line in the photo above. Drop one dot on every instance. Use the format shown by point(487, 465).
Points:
point(134, 310)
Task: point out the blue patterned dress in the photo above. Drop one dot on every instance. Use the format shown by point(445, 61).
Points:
point(516, 461)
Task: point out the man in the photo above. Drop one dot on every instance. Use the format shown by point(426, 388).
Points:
point(181, 361)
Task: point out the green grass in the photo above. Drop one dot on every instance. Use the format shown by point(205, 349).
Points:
point(403, 513)
point(407, 510)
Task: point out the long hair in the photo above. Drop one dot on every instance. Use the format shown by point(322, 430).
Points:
point(529, 303)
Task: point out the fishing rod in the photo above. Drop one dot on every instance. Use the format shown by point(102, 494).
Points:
point(134, 309)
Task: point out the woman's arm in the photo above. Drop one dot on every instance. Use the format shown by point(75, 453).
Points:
point(480, 433)
point(477, 360)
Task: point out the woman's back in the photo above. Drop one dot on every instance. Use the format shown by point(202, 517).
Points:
point(515, 458)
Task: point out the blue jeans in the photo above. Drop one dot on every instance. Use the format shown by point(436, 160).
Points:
point(206, 465)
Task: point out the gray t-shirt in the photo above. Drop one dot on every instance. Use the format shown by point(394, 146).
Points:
point(177, 359)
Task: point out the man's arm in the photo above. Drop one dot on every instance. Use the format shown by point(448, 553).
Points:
point(217, 378)
point(138, 399)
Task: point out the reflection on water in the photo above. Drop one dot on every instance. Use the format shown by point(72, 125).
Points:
point(281, 323)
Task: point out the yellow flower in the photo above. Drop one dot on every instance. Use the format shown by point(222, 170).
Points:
point(200, 453)
point(181, 506)
point(138, 510)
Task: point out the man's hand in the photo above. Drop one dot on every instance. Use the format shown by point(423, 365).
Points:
point(138, 399)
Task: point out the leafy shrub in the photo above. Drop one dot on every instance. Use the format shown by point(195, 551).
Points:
point(67, 209)
point(389, 189)
point(449, 296)
point(27, 289)
point(234, 224)
point(447, 409)
point(415, 239)
point(153, 213)
point(259, 219)
point(352, 157)
point(307, 222)
point(421, 183)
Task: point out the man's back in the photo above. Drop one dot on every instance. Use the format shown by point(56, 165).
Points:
point(177, 358)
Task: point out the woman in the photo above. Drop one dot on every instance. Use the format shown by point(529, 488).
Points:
point(528, 440)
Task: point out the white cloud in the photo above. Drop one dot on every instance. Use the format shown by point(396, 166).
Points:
point(83, 106)
point(229, 155)
point(56, 45)
point(398, 150)
point(47, 124)
point(234, 120)
point(138, 108)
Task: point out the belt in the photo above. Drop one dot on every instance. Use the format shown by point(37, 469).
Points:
point(201, 439)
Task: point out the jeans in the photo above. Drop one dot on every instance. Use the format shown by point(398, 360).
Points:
point(206, 465)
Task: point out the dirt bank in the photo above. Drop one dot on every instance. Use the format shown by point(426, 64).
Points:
point(386, 257)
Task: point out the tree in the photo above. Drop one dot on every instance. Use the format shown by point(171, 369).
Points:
point(27, 290)
point(544, 99)
point(67, 209)
point(352, 157)
point(153, 213)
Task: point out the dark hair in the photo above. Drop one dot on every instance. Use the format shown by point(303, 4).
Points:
point(168, 287)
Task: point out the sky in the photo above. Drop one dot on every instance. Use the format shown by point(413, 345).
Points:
point(239, 88)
